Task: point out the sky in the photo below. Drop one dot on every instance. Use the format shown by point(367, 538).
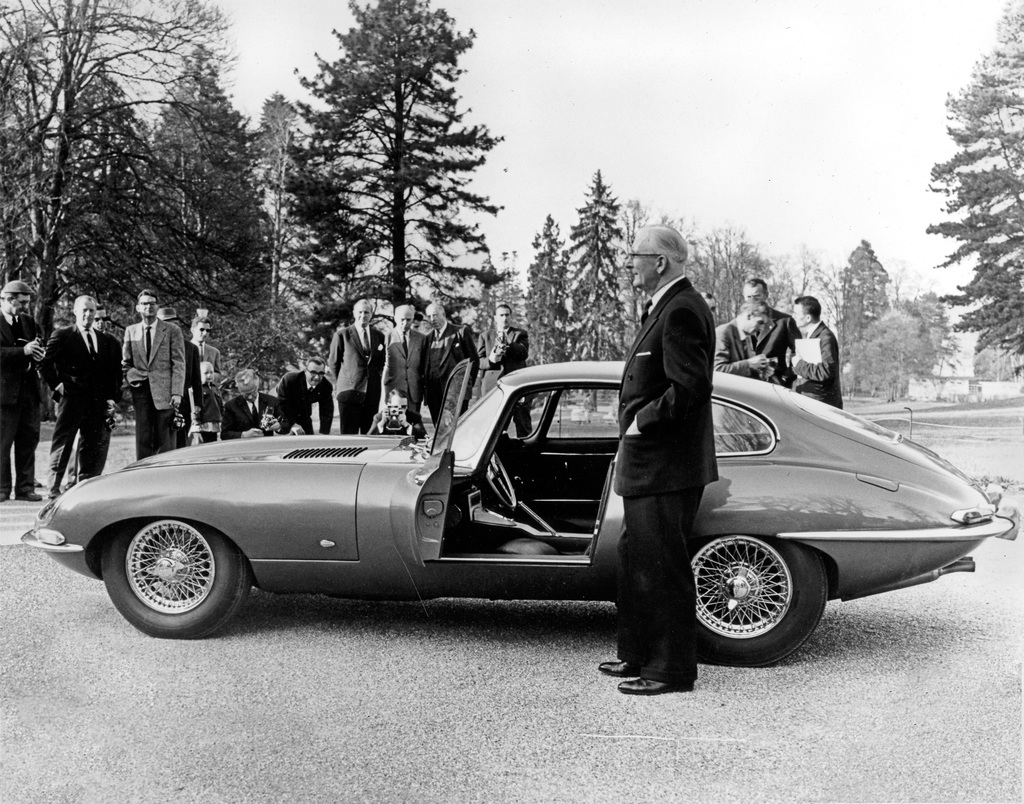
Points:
point(803, 123)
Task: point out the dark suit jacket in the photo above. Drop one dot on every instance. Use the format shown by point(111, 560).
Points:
point(733, 351)
point(515, 355)
point(821, 380)
point(295, 402)
point(193, 382)
point(413, 418)
point(354, 371)
point(666, 390)
point(775, 341)
point(403, 370)
point(17, 369)
point(237, 418)
point(68, 361)
point(444, 353)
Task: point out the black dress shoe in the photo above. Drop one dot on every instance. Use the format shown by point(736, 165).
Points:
point(30, 497)
point(619, 669)
point(647, 686)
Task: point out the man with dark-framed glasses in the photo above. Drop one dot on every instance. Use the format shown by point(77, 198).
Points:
point(296, 393)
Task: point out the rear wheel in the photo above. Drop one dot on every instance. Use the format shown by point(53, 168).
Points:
point(758, 600)
point(175, 580)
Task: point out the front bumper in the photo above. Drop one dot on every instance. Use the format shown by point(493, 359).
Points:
point(40, 540)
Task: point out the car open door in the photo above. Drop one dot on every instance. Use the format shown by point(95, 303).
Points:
point(436, 473)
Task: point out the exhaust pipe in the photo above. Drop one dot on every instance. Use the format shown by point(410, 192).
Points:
point(965, 564)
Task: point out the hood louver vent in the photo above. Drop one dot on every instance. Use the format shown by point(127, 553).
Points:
point(325, 452)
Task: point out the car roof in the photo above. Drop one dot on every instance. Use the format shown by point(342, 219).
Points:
point(609, 372)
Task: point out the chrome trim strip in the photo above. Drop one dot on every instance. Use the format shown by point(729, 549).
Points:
point(556, 561)
point(962, 533)
point(29, 540)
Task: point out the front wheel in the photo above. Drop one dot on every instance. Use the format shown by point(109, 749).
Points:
point(174, 580)
point(757, 600)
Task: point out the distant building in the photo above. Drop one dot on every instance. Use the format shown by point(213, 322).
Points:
point(961, 389)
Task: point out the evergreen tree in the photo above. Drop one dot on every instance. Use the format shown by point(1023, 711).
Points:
point(208, 221)
point(599, 285)
point(275, 140)
point(984, 187)
point(547, 314)
point(866, 300)
point(384, 175)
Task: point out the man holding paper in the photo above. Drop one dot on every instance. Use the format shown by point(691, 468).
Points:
point(816, 355)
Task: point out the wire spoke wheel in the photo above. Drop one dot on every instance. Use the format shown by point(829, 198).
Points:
point(170, 566)
point(744, 587)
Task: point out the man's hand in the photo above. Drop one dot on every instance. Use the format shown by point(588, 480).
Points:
point(35, 349)
point(175, 400)
point(254, 432)
point(296, 430)
point(758, 362)
point(496, 355)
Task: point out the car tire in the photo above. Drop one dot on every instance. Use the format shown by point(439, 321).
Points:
point(758, 600)
point(174, 579)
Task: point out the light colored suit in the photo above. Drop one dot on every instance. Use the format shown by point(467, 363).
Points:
point(165, 366)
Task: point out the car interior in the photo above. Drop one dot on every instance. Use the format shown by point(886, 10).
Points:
point(541, 492)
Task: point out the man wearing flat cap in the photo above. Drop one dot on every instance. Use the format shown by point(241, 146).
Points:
point(153, 359)
point(20, 352)
point(193, 379)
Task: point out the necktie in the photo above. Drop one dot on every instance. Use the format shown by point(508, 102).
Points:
point(88, 340)
point(646, 312)
point(365, 335)
point(149, 341)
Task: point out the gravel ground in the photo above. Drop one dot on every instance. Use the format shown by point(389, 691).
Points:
point(910, 696)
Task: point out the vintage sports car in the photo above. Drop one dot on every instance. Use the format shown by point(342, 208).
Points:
point(512, 500)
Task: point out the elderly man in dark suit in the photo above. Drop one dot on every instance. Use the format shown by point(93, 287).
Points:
point(734, 352)
point(297, 391)
point(666, 458)
point(355, 365)
point(774, 338)
point(20, 352)
point(406, 358)
point(83, 369)
point(448, 345)
point(192, 398)
point(153, 359)
point(817, 376)
point(250, 413)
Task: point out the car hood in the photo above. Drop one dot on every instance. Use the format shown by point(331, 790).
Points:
point(306, 449)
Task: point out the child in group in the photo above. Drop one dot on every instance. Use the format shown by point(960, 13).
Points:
point(211, 409)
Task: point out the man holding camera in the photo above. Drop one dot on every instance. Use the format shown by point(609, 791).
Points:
point(19, 393)
point(774, 339)
point(734, 351)
point(397, 419)
point(502, 349)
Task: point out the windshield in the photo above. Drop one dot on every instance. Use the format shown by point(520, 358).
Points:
point(476, 426)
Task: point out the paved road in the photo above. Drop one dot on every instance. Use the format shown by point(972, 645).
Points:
point(910, 696)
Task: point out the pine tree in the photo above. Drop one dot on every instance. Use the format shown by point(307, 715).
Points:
point(598, 281)
point(984, 187)
point(547, 314)
point(384, 175)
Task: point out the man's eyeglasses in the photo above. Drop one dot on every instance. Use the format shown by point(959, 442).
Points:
point(316, 373)
point(631, 254)
point(204, 329)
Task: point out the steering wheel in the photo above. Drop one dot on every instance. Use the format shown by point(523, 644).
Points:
point(500, 482)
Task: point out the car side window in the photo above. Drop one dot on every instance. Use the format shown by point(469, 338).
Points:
point(586, 413)
point(527, 413)
point(739, 432)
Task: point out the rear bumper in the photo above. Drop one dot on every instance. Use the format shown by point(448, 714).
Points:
point(1004, 525)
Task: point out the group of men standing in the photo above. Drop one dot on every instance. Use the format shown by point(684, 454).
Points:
point(408, 364)
point(798, 351)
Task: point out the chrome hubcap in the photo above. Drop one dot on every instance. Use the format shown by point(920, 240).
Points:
point(744, 588)
point(170, 567)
